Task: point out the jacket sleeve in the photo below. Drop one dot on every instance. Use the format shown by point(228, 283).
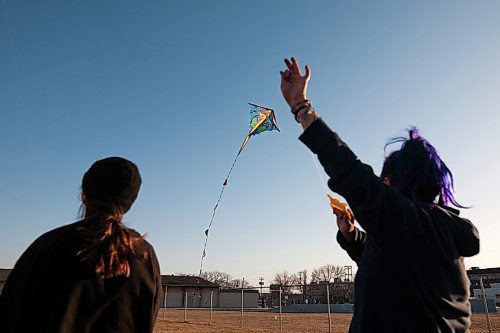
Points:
point(354, 248)
point(366, 194)
point(465, 234)
point(468, 239)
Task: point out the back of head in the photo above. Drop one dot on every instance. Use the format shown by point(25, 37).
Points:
point(109, 188)
point(417, 171)
point(114, 181)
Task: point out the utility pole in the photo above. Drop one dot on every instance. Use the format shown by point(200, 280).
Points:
point(348, 274)
point(261, 283)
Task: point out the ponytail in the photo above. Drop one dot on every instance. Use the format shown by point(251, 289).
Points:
point(109, 188)
point(417, 171)
point(108, 244)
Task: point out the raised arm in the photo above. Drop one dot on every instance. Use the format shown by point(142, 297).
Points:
point(355, 181)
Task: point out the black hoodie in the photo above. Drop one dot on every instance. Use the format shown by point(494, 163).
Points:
point(411, 275)
point(50, 290)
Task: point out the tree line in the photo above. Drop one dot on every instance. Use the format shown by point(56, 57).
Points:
point(288, 281)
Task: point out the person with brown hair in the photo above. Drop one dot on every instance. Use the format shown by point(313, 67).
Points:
point(411, 275)
point(95, 275)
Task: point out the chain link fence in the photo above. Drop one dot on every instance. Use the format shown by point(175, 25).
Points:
point(317, 307)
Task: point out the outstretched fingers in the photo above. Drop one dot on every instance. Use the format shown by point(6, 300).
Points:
point(285, 75)
point(308, 73)
point(293, 67)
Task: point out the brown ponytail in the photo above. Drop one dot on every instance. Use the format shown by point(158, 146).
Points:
point(109, 188)
point(109, 245)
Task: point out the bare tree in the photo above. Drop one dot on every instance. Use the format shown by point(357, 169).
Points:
point(327, 273)
point(220, 278)
point(237, 283)
point(224, 280)
point(302, 277)
point(285, 280)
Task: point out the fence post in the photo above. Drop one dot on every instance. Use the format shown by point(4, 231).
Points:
point(165, 303)
point(485, 305)
point(281, 320)
point(211, 302)
point(185, 306)
point(328, 302)
point(242, 288)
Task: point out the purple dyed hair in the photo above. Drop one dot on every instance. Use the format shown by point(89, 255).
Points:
point(417, 171)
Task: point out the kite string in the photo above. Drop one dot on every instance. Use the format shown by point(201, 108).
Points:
point(215, 209)
point(321, 178)
point(268, 115)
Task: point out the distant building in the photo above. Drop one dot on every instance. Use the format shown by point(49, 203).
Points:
point(491, 283)
point(313, 293)
point(194, 290)
point(231, 298)
point(340, 292)
point(197, 292)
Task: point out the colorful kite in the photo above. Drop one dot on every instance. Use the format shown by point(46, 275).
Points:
point(261, 119)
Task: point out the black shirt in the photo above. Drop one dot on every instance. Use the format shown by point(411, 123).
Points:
point(51, 290)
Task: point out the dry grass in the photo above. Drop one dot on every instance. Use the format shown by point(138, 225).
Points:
point(480, 325)
point(230, 321)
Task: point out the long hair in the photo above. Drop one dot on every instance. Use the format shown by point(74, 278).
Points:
point(418, 172)
point(110, 187)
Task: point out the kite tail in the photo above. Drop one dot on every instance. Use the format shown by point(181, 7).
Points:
point(204, 253)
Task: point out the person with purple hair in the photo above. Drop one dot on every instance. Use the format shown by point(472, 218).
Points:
point(411, 275)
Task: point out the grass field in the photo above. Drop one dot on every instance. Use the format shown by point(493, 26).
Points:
point(230, 321)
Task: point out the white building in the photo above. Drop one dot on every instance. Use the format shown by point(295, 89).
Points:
point(200, 293)
point(194, 290)
point(231, 298)
point(492, 291)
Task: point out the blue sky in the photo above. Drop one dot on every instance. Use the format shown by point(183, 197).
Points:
point(166, 84)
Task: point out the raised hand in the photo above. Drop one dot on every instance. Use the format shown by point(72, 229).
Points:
point(345, 223)
point(293, 84)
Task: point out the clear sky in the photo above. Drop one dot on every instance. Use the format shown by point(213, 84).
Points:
point(166, 84)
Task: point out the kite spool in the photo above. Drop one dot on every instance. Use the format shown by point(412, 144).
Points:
point(336, 204)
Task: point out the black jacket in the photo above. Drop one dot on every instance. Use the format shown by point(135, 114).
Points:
point(50, 290)
point(411, 275)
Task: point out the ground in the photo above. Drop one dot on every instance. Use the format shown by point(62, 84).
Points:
point(231, 321)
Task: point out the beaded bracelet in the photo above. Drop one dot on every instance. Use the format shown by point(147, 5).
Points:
point(305, 115)
point(307, 103)
point(296, 112)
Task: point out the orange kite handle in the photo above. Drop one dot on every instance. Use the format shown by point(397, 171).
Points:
point(336, 204)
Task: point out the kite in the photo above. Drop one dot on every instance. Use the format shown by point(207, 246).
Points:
point(261, 119)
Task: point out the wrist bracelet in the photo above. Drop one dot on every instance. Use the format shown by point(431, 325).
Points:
point(306, 101)
point(305, 115)
point(296, 112)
